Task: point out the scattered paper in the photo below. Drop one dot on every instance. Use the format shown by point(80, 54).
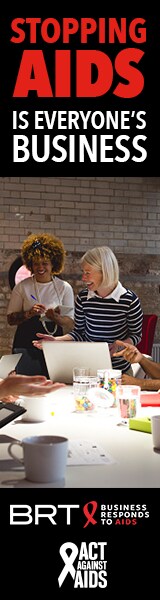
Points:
point(87, 453)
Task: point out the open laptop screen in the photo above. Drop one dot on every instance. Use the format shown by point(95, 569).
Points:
point(62, 357)
point(8, 363)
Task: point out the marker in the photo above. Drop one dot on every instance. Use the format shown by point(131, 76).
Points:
point(33, 297)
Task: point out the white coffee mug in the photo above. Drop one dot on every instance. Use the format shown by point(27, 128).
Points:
point(44, 457)
point(38, 408)
point(155, 425)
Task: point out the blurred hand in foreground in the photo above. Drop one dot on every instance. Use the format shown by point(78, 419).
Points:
point(26, 385)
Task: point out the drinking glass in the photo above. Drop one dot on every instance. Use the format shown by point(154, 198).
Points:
point(128, 400)
point(84, 396)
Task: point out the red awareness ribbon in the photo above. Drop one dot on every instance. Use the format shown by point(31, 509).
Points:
point(89, 514)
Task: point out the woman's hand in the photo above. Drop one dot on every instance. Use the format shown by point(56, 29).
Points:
point(130, 352)
point(43, 338)
point(53, 314)
point(19, 317)
point(27, 386)
point(10, 398)
point(37, 309)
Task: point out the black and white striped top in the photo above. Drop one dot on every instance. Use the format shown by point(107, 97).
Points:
point(117, 316)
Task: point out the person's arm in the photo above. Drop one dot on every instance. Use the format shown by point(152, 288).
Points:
point(16, 313)
point(145, 384)
point(134, 325)
point(134, 321)
point(78, 333)
point(16, 318)
point(68, 300)
point(132, 355)
point(50, 338)
point(150, 367)
point(27, 386)
point(64, 321)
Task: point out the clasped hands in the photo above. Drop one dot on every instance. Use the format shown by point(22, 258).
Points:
point(40, 309)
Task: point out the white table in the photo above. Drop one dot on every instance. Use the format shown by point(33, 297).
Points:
point(135, 464)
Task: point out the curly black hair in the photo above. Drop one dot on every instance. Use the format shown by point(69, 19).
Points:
point(43, 245)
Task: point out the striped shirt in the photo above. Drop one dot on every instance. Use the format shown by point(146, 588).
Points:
point(117, 316)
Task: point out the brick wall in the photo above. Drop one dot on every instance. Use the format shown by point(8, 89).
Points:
point(121, 212)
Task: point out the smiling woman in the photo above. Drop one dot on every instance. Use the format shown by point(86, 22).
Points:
point(105, 310)
point(105, 307)
point(35, 301)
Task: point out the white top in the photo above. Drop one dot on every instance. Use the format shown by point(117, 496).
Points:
point(51, 294)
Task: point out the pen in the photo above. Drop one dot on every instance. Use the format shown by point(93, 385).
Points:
point(33, 297)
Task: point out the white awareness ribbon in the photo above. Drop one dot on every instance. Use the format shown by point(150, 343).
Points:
point(68, 560)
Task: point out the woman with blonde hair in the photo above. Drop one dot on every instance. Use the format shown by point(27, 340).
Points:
point(104, 310)
point(36, 302)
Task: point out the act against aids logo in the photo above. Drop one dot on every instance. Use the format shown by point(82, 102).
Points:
point(90, 570)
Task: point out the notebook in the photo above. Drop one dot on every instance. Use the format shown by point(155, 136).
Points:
point(8, 363)
point(62, 357)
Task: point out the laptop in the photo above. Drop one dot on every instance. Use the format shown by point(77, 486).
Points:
point(8, 363)
point(62, 357)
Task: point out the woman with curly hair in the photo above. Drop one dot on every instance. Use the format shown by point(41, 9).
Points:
point(42, 302)
point(104, 310)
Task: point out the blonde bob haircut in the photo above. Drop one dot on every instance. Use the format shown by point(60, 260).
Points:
point(104, 260)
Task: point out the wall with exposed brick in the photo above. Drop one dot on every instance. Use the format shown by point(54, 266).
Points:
point(121, 212)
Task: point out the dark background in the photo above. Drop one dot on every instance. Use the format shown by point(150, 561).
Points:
point(34, 549)
point(148, 101)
